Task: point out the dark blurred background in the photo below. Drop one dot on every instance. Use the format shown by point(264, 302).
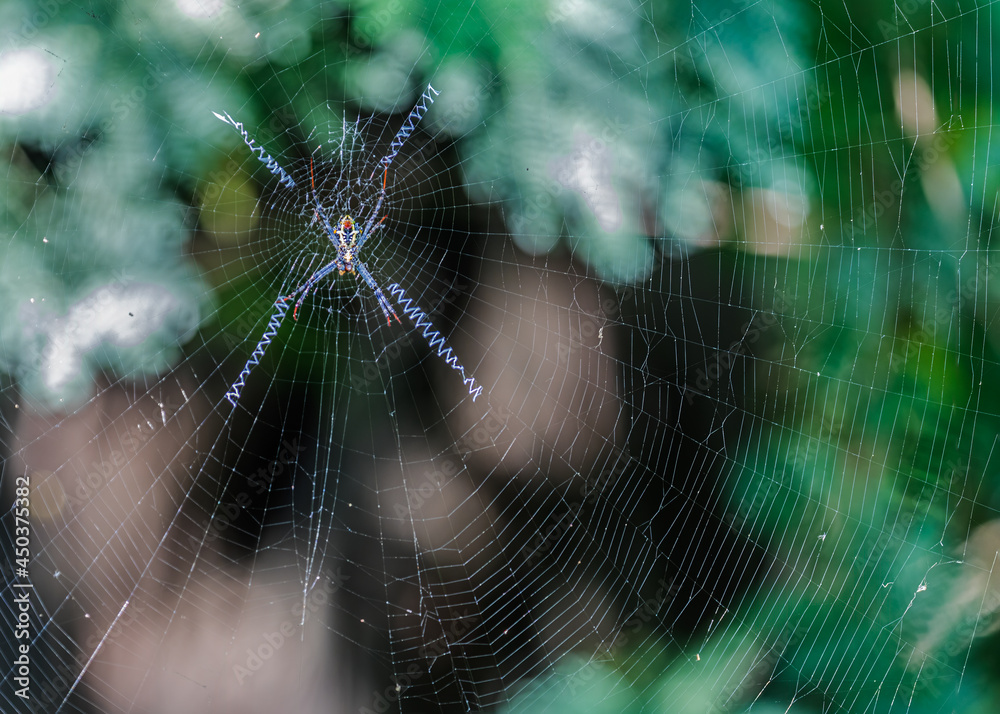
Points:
point(722, 268)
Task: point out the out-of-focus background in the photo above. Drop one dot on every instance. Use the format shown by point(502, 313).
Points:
point(722, 269)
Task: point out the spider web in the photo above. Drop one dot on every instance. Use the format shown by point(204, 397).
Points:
point(722, 270)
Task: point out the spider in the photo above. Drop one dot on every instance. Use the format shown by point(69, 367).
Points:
point(345, 236)
point(348, 241)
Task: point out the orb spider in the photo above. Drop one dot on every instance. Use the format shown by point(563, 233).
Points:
point(345, 236)
point(348, 242)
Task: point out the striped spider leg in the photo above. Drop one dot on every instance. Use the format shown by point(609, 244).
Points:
point(348, 241)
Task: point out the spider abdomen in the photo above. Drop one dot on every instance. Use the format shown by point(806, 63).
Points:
point(347, 238)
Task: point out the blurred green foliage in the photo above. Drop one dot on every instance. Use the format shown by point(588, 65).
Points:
point(618, 129)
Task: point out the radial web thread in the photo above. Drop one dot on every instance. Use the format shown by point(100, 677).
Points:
point(434, 338)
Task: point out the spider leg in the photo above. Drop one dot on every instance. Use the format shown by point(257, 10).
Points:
point(371, 225)
point(368, 233)
point(383, 302)
point(308, 285)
